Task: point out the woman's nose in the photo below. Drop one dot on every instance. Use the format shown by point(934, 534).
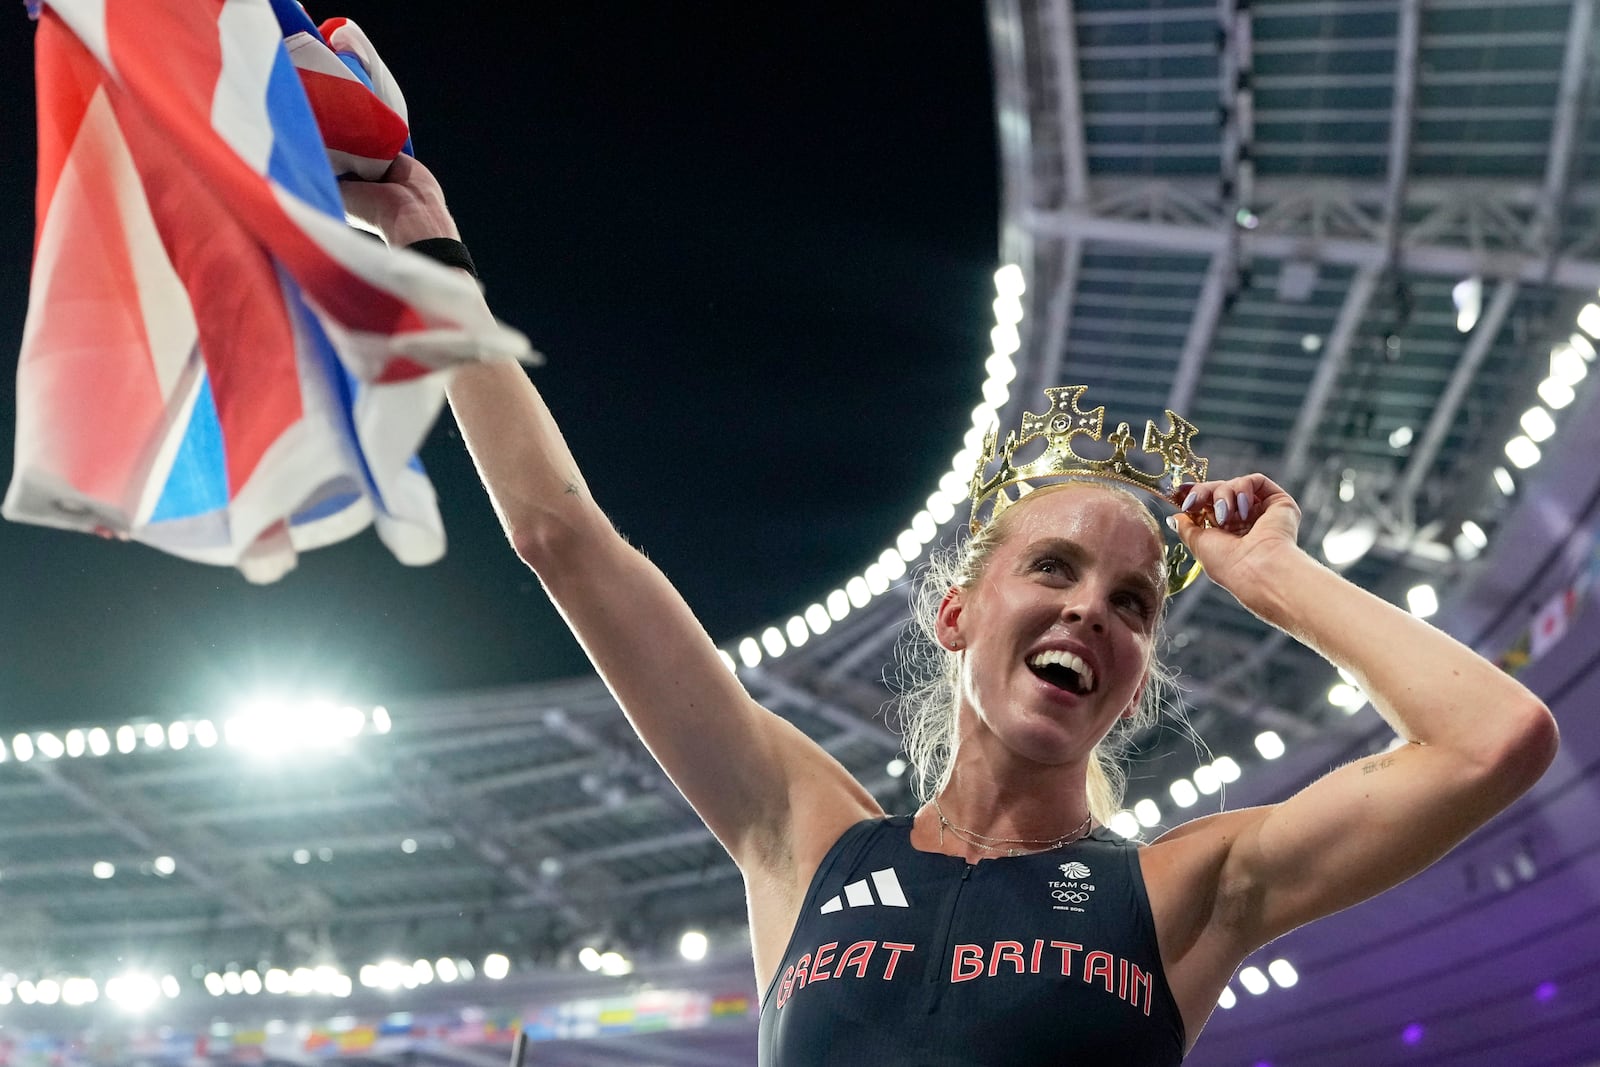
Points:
point(1083, 605)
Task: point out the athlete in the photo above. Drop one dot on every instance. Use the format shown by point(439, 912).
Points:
point(1000, 924)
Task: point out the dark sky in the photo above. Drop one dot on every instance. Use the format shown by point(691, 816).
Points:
point(755, 242)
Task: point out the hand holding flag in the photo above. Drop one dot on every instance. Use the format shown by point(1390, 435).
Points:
point(214, 363)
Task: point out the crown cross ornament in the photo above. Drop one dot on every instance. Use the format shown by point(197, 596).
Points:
point(1058, 426)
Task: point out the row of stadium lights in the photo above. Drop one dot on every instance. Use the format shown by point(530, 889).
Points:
point(1280, 972)
point(132, 991)
point(1569, 364)
point(263, 729)
point(954, 487)
point(386, 975)
point(693, 946)
point(137, 992)
point(1206, 781)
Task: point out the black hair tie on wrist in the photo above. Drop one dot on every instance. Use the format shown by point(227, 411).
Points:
point(446, 250)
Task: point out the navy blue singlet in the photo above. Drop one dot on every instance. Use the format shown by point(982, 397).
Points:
point(902, 957)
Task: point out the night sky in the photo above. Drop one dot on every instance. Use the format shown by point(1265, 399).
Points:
point(757, 249)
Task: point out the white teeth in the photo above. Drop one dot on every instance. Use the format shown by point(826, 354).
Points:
point(1058, 658)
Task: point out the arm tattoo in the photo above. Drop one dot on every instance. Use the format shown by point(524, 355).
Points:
point(572, 489)
point(1377, 765)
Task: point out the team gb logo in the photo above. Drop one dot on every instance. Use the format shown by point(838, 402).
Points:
point(1074, 891)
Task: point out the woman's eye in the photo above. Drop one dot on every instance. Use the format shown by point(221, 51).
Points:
point(1133, 602)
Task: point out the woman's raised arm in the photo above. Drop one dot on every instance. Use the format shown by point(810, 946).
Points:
point(765, 789)
point(1475, 737)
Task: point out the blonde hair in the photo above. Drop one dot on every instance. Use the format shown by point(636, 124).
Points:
point(927, 675)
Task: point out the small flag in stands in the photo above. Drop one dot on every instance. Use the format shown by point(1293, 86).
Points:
point(215, 363)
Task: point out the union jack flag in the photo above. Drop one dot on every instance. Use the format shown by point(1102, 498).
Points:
point(214, 362)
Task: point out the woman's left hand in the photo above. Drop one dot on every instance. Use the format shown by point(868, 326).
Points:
point(407, 204)
point(1233, 527)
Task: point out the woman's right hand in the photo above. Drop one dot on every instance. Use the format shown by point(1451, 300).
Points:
point(1235, 527)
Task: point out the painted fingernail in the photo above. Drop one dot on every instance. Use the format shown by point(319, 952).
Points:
point(1172, 523)
point(1221, 507)
point(1244, 506)
point(1190, 500)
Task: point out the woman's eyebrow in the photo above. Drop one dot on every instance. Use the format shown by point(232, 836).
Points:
point(1144, 581)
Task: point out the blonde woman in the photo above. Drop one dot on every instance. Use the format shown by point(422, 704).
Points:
point(1000, 924)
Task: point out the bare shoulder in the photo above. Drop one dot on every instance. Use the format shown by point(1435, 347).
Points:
point(1186, 873)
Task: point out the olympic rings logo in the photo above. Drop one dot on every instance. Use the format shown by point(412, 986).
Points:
point(1067, 896)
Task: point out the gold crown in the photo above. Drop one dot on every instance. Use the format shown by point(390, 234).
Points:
point(1058, 426)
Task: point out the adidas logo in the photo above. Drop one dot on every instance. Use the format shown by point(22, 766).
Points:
point(859, 894)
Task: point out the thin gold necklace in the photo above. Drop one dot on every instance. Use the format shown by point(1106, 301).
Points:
point(1003, 844)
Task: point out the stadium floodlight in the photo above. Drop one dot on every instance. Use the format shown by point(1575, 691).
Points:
point(133, 991)
point(693, 945)
point(1269, 744)
point(272, 727)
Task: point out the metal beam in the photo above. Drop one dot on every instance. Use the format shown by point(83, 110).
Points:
point(245, 887)
point(1563, 128)
point(1359, 297)
point(523, 776)
point(287, 811)
point(1013, 127)
point(1063, 39)
point(1058, 319)
point(1336, 353)
point(485, 829)
point(1334, 358)
point(698, 835)
point(1446, 260)
point(1402, 110)
point(1364, 194)
point(1202, 331)
point(641, 804)
point(1557, 177)
point(1236, 100)
point(1444, 412)
point(767, 685)
point(1051, 346)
